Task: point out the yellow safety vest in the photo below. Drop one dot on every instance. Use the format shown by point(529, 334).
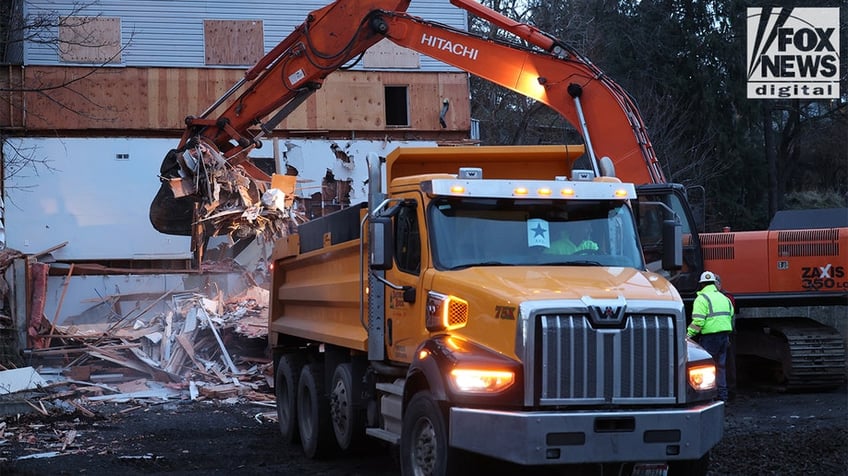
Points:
point(712, 312)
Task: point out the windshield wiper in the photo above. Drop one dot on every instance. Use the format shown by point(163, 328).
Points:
point(572, 263)
point(483, 263)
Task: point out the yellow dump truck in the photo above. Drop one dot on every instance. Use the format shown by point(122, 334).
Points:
point(447, 314)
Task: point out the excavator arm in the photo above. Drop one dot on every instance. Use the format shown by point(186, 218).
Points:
point(214, 147)
point(287, 75)
point(551, 73)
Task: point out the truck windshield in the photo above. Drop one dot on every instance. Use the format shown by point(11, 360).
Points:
point(468, 232)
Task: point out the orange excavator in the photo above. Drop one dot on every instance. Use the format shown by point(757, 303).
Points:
point(799, 263)
point(211, 166)
point(548, 71)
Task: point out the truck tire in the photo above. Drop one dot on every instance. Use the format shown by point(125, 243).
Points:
point(313, 413)
point(424, 448)
point(285, 389)
point(348, 421)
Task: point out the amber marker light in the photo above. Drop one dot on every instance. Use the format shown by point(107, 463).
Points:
point(457, 189)
point(445, 312)
point(544, 192)
point(520, 191)
point(567, 192)
point(620, 193)
point(481, 380)
point(702, 377)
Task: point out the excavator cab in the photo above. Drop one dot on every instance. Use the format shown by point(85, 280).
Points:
point(669, 236)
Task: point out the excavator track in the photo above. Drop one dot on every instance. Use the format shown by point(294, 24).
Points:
point(804, 354)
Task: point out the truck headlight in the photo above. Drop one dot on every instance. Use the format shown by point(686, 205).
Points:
point(702, 377)
point(701, 370)
point(481, 381)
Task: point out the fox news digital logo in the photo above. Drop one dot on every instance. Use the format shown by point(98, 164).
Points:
point(793, 53)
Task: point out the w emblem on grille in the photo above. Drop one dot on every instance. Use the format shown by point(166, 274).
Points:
point(607, 315)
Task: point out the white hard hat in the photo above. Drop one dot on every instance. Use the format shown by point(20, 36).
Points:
point(708, 277)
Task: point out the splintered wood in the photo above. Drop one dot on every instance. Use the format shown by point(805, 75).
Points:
point(200, 348)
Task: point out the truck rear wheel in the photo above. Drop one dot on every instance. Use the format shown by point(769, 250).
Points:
point(348, 421)
point(424, 449)
point(313, 412)
point(285, 389)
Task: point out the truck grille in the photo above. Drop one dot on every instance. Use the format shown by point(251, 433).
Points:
point(581, 364)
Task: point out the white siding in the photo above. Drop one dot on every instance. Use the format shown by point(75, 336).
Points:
point(100, 204)
point(95, 202)
point(168, 33)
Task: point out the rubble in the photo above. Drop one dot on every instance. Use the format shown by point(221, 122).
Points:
point(200, 348)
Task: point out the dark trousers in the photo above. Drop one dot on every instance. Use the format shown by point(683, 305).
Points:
point(717, 345)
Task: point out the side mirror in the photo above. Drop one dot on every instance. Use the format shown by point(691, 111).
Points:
point(672, 245)
point(381, 243)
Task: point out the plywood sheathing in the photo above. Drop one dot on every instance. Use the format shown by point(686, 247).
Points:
point(12, 113)
point(233, 42)
point(158, 99)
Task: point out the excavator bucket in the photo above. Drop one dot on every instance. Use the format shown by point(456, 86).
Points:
point(201, 193)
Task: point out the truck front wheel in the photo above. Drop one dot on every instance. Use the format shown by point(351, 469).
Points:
point(285, 389)
point(313, 412)
point(424, 449)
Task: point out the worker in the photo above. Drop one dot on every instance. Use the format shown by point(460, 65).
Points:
point(565, 245)
point(712, 322)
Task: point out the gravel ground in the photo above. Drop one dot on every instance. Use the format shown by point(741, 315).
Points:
point(766, 434)
point(784, 434)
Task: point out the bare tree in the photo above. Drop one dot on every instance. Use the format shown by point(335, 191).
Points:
point(507, 117)
point(38, 26)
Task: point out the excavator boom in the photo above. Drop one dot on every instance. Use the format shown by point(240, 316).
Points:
point(548, 71)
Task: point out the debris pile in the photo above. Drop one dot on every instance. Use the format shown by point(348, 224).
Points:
point(201, 348)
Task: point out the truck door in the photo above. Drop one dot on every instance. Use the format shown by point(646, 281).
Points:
point(404, 306)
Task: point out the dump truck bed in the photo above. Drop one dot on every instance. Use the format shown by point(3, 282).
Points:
point(318, 285)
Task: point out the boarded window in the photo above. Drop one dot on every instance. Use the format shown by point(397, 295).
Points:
point(90, 40)
point(233, 42)
point(386, 54)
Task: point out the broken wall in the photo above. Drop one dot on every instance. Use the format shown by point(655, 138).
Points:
point(89, 204)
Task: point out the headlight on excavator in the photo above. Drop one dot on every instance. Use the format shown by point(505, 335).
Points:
point(481, 380)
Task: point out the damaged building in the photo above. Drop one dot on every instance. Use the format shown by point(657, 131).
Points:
point(96, 95)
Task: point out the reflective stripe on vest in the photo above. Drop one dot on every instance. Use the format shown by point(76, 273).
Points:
point(715, 320)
